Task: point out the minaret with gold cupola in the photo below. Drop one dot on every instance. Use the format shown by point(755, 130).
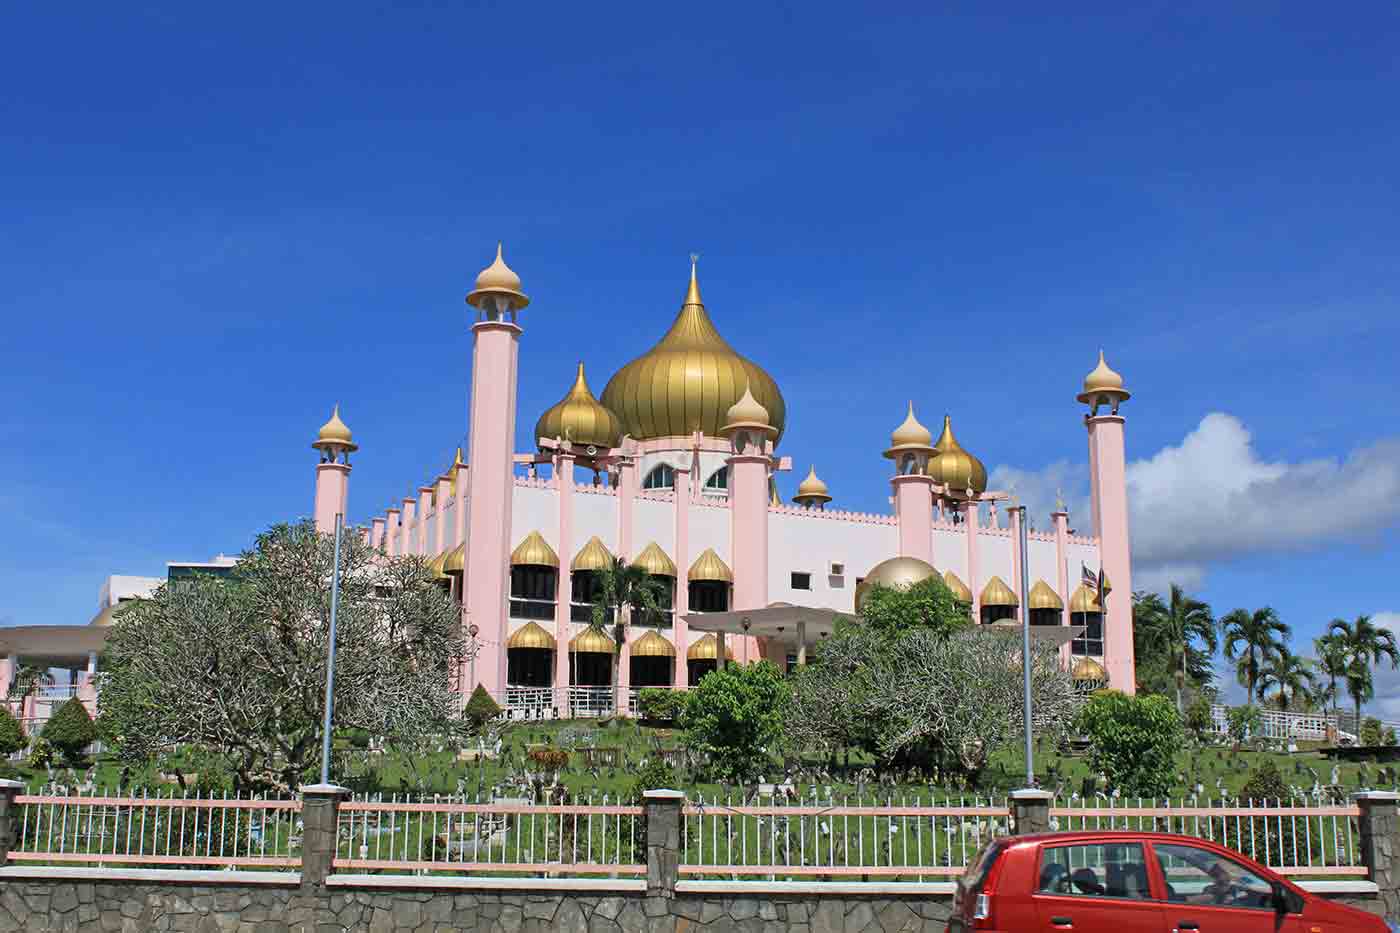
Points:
point(497, 299)
point(1108, 497)
point(751, 436)
point(336, 444)
point(812, 493)
point(911, 445)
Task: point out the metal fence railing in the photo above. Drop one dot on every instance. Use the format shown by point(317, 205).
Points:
point(450, 834)
point(1298, 838)
point(157, 831)
point(887, 837)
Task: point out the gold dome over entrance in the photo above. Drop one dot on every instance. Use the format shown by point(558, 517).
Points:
point(580, 419)
point(689, 380)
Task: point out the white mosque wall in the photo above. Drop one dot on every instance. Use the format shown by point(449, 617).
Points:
point(810, 543)
point(535, 508)
point(993, 559)
point(1042, 564)
point(709, 527)
point(595, 513)
point(655, 520)
point(950, 551)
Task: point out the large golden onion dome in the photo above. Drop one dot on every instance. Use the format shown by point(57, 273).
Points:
point(689, 380)
point(581, 419)
point(895, 572)
point(954, 467)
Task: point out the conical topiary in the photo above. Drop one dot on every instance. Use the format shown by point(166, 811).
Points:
point(70, 729)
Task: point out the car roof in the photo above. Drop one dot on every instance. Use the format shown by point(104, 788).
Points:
point(1123, 835)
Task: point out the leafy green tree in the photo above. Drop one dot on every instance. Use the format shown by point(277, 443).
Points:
point(480, 708)
point(1133, 740)
point(927, 604)
point(622, 589)
point(1332, 663)
point(1181, 631)
point(70, 730)
point(736, 717)
point(1370, 732)
point(1366, 644)
point(238, 665)
point(1251, 638)
point(1291, 679)
point(12, 738)
point(1198, 720)
point(1243, 722)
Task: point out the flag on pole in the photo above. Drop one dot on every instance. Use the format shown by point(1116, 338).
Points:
point(1098, 582)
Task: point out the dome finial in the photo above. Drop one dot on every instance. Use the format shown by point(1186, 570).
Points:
point(812, 492)
point(335, 435)
point(910, 435)
point(692, 294)
point(498, 279)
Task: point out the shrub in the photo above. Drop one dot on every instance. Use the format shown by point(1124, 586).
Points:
point(481, 709)
point(70, 730)
point(1370, 731)
point(1133, 740)
point(550, 759)
point(661, 703)
point(1198, 720)
point(12, 738)
point(40, 754)
point(1242, 722)
point(735, 716)
point(1266, 839)
point(655, 774)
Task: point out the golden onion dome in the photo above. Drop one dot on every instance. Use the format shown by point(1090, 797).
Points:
point(910, 435)
point(689, 380)
point(1084, 599)
point(592, 556)
point(710, 567)
point(451, 474)
point(655, 562)
point(532, 635)
point(652, 645)
point(592, 641)
point(435, 565)
point(1087, 669)
point(334, 434)
point(707, 649)
point(997, 593)
point(534, 551)
point(581, 419)
point(746, 413)
point(954, 467)
point(959, 589)
point(1102, 381)
point(895, 572)
point(454, 563)
point(811, 490)
point(1043, 597)
point(498, 279)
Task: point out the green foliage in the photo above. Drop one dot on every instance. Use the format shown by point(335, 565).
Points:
point(1173, 641)
point(1363, 644)
point(70, 730)
point(1134, 741)
point(481, 709)
point(1370, 733)
point(654, 775)
point(550, 759)
point(661, 704)
point(736, 716)
point(1243, 722)
point(1264, 839)
point(12, 738)
point(40, 754)
point(1197, 719)
point(1251, 638)
point(355, 738)
point(928, 604)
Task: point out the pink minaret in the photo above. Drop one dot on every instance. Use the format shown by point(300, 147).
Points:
point(751, 436)
point(333, 473)
point(910, 447)
point(491, 449)
point(1109, 499)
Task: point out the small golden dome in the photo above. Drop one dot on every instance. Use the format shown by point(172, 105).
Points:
point(1087, 669)
point(592, 641)
point(655, 562)
point(746, 413)
point(1103, 383)
point(435, 567)
point(707, 649)
point(334, 435)
point(910, 435)
point(498, 279)
point(997, 593)
point(454, 563)
point(652, 645)
point(954, 467)
point(689, 380)
point(1084, 599)
point(709, 566)
point(534, 551)
point(811, 490)
point(592, 556)
point(581, 419)
point(532, 635)
point(898, 572)
point(451, 474)
point(960, 591)
point(1043, 597)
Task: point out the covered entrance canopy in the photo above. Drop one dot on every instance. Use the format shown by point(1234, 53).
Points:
point(792, 628)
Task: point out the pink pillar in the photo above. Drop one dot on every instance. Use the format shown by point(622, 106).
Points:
point(974, 580)
point(564, 592)
point(332, 483)
point(425, 509)
point(1061, 520)
point(748, 529)
point(624, 550)
point(7, 674)
point(913, 508)
point(495, 357)
point(376, 533)
point(393, 533)
point(408, 534)
point(683, 561)
point(1110, 497)
point(441, 498)
point(1015, 516)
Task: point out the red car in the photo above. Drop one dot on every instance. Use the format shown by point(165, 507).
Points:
point(1126, 882)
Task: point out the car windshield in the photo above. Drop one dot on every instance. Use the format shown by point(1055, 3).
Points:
point(982, 863)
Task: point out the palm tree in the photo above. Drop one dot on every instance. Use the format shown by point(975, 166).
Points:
point(1290, 675)
point(623, 587)
point(1332, 663)
point(1175, 628)
point(1364, 643)
point(1251, 638)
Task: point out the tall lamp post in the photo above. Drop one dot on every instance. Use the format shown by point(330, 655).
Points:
point(1026, 648)
point(330, 656)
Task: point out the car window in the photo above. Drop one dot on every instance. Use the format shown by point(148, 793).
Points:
point(982, 863)
point(1200, 876)
point(1110, 869)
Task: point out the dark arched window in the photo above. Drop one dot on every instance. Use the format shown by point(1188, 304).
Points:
point(718, 481)
point(662, 476)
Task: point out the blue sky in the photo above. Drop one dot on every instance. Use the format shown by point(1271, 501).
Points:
point(218, 221)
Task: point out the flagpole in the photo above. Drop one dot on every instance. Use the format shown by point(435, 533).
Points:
point(330, 658)
point(1026, 648)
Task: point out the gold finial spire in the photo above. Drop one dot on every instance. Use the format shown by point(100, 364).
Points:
point(692, 294)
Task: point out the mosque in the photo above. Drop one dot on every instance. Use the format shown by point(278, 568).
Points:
point(673, 468)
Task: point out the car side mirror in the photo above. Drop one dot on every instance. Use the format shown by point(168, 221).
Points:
point(1285, 901)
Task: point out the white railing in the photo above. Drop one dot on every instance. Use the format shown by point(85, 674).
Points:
point(1279, 724)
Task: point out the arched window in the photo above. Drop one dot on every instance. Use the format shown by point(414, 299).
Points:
point(662, 476)
point(718, 481)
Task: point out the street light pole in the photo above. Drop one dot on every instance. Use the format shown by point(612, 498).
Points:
point(330, 657)
point(1026, 648)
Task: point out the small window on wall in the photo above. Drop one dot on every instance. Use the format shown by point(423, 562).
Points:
point(662, 476)
point(718, 481)
point(802, 581)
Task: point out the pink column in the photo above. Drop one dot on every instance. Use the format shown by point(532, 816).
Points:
point(376, 533)
point(1061, 520)
point(1110, 497)
point(7, 674)
point(459, 537)
point(974, 580)
point(425, 509)
point(393, 533)
point(748, 529)
point(1015, 516)
point(408, 535)
point(683, 561)
point(913, 509)
point(495, 357)
point(441, 498)
point(332, 482)
point(624, 550)
point(564, 592)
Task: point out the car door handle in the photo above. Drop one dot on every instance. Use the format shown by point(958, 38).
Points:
point(1061, 922)
point(1186, 925)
